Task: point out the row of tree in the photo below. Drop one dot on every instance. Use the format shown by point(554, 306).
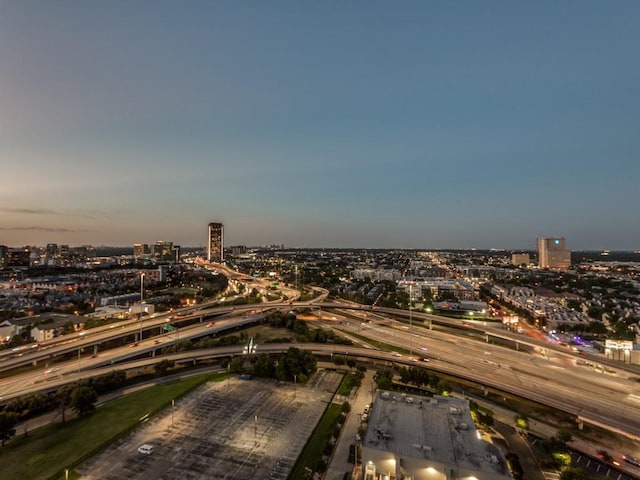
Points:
point(302, 330)
point(80, 398)
point(293, 365)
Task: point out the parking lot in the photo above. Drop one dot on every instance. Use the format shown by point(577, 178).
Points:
point(240, 430)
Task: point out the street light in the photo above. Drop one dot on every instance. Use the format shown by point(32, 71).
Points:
point(141, 299)
point(81, 334)
point(410, 322)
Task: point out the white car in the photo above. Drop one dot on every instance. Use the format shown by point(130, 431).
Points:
point(145, 449)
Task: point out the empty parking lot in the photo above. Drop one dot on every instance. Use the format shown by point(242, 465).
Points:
point(240, 430)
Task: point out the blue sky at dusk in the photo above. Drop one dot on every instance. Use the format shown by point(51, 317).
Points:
point(320, 124)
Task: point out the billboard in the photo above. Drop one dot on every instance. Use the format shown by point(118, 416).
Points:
point(618, 344)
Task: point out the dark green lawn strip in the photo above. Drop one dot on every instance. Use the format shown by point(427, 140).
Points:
point(312, 451)
point(347, 384)
point(47, 451)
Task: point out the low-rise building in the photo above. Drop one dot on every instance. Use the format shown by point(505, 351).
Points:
point(421, 438)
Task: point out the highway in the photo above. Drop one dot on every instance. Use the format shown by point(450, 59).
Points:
point(553, 376)
point(558, 379)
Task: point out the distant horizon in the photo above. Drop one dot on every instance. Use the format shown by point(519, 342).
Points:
point(285, 247)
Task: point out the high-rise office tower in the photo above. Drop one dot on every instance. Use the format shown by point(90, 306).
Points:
point(552, 253)
point(4, 250)
point(140, 249)
point(215, 244)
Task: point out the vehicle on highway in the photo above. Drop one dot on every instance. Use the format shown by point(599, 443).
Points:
point(145, 449)
point(211, 324)
point(631, 459)
point(396, 354)
point(131, 345)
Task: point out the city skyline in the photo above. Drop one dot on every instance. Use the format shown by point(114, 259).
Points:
point(320, 125)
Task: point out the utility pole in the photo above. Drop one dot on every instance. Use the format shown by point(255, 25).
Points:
point(410, 322)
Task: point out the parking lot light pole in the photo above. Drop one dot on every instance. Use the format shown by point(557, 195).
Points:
point(255, 428)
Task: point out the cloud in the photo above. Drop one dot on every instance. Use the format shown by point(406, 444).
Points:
point(42, 229)
point(30, 211)
point(88, 214)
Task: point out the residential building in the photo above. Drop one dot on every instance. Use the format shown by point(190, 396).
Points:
point(552, 253)
point(18, 257)
point(520, 259)
point(215, 243)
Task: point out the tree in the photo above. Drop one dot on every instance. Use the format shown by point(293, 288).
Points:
point(63, 398)
point(295, 363)
point(8, 422)
point(68, 327)
point(384, 379)
point(236, 364)
point(564, 435)
point(443, 387)
point(83, 399)
point(264, 366)
point(163, 366)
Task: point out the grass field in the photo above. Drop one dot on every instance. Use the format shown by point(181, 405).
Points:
point(47, 451)
point(347, 384)
point(312, 451)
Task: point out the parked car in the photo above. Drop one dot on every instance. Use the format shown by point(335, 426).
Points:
point(145, 449)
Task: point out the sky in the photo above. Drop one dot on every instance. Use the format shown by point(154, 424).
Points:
point(373, 124)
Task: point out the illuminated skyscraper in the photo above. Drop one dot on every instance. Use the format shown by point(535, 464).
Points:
point(215, 244)
point(553, 254)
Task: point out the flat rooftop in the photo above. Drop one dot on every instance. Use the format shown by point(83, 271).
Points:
point(438, 429)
